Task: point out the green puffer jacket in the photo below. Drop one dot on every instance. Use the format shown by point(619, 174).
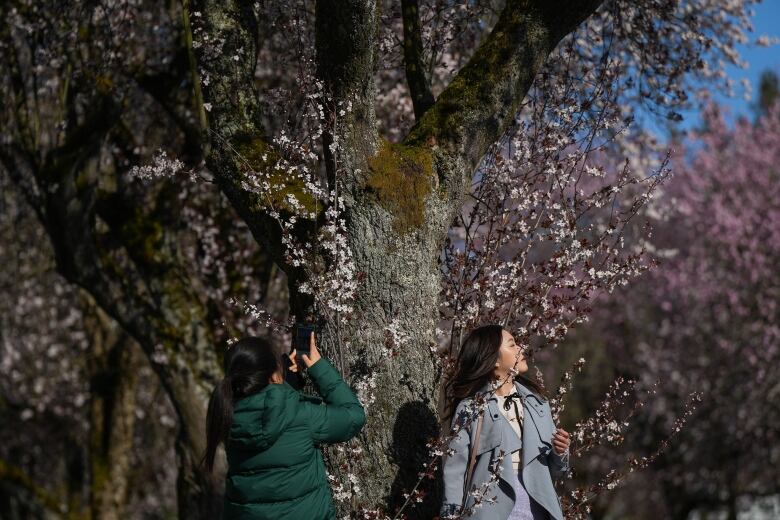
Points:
point(275, 470)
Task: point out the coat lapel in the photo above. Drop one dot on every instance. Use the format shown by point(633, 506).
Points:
point(533, 441)
point(531, 408)
point(491, 436)
point(496, 431)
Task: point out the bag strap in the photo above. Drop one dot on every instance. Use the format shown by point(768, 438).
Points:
point(472, 460)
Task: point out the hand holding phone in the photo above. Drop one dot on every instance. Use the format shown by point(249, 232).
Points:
point(305, 344)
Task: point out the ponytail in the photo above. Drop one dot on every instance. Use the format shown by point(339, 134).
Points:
point(218, 420)
point(249, 365)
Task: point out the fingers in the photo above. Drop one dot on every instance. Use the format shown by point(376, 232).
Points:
point(312, 342)
point(306, 359)
point(293, 362)
point(561, 440)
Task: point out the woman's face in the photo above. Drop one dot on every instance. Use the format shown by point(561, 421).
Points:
point(510, 355)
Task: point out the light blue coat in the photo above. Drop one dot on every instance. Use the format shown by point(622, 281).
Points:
point(540, 464)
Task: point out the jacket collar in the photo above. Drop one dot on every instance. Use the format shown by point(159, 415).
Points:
point(487, 388)
point(492, 399)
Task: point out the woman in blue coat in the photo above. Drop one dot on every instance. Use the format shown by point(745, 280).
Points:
point(514, 436)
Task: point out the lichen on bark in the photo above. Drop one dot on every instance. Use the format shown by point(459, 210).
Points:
point(402, 177)
point(256, 157)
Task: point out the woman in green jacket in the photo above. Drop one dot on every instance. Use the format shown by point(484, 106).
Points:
point(271, 432)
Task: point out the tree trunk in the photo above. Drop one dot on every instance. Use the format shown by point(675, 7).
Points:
point(401, 285)
point(114, 364)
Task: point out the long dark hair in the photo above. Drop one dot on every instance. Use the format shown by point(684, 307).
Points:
point(249, 364)
point(475, 367)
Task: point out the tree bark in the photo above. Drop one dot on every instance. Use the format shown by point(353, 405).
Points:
point(419, 83)
point(123, 251)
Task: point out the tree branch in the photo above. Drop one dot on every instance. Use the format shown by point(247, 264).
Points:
point(482, 100)
point(419, 86)
point(345, 33)
point(239, 146)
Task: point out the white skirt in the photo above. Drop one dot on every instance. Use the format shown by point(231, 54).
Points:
point(526, 508)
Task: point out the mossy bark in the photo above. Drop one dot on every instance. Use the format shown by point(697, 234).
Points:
point(171, 321)
point(481, 101)
point(403, 178)
point(396, 222)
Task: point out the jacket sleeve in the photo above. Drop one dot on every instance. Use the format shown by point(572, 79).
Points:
point(455, 464)
point(342, 416)
point(559, 464)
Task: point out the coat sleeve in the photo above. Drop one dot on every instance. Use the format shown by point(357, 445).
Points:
point(341, 417)
point(455, 465)
point(559, 464)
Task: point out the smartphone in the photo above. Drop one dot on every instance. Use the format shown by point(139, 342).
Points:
point(303, 332)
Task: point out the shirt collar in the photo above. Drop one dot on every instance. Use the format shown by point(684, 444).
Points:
point(488, 387)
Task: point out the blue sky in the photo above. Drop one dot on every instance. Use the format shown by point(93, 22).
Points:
point(765, 22)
